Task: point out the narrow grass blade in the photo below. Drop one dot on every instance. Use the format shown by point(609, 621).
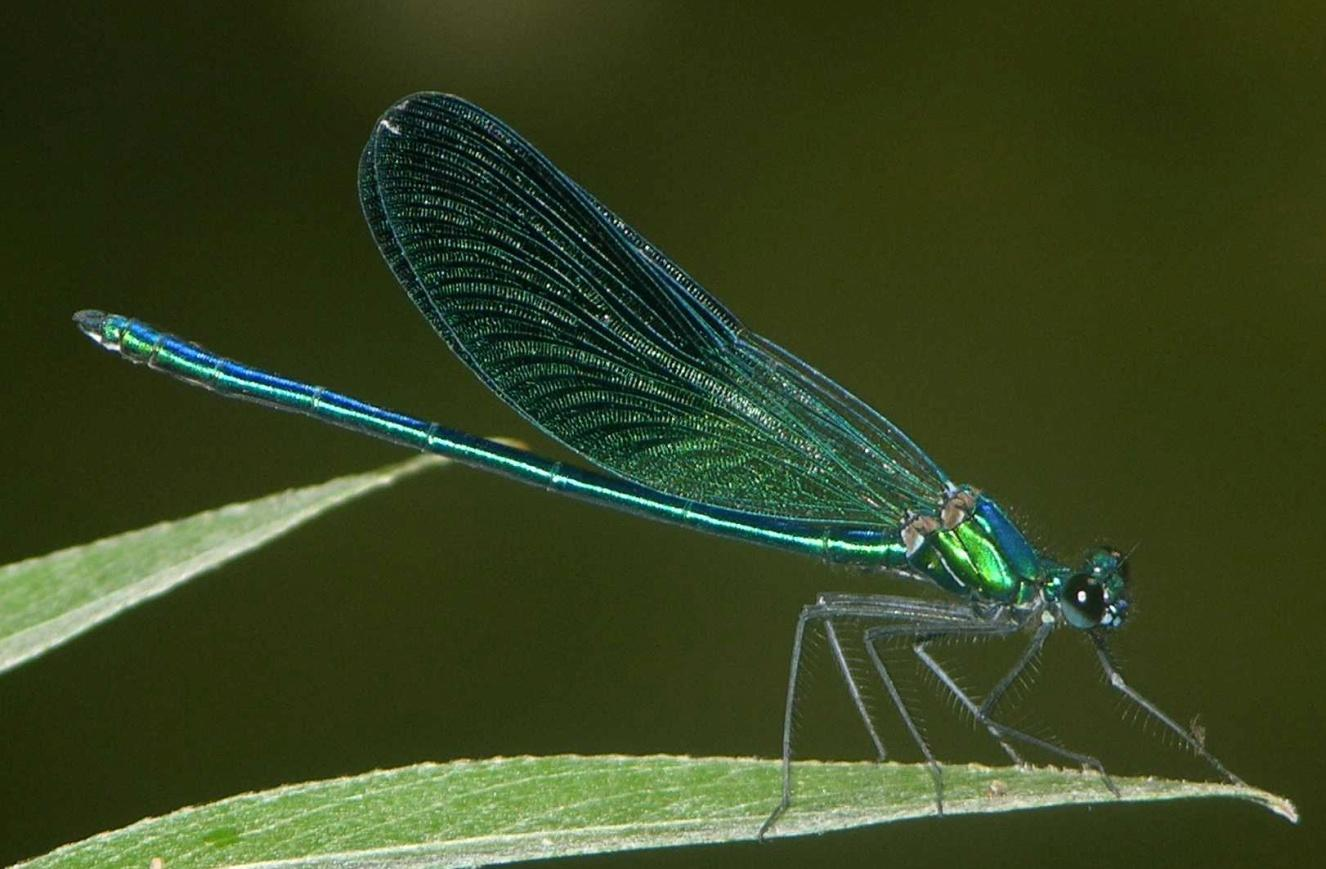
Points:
point(472, 813)
point(47, 600)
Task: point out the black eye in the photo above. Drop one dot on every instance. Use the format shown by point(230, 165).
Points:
point(1083, 601)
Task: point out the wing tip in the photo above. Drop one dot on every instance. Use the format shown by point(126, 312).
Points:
point(392, 121)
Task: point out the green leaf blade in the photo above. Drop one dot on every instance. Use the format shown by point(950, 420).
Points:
point(505, 810)
point(48, 600)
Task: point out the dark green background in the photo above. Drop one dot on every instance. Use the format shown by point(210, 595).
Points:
point(1078, 255)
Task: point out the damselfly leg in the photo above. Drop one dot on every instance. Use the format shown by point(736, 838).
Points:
point(1195, 745)
point(904, 616)
point(845, 670)
point(923, 622)
point(1029, 654)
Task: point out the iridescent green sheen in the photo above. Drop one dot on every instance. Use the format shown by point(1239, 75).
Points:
point(1023, 561)
point(993, 578)
point(963, 560)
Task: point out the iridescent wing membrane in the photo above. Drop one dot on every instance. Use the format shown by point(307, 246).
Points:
point(601, 341)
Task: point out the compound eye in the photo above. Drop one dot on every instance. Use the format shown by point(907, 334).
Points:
point(1083, 601)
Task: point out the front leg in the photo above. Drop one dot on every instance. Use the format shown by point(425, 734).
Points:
point(1193, 743)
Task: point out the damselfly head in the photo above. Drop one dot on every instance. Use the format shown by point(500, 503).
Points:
point(1096, 596)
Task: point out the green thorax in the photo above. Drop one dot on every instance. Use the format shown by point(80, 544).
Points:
point(973, 549)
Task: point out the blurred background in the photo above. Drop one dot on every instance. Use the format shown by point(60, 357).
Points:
point(1077, 255)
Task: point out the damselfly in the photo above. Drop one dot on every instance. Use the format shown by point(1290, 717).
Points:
point(600, 340)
